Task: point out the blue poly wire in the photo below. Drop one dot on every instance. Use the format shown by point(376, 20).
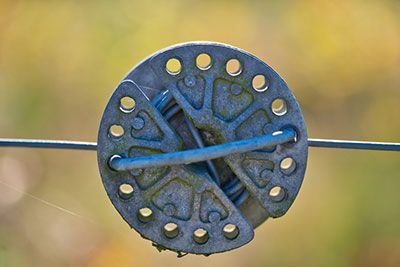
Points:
point(203, 154)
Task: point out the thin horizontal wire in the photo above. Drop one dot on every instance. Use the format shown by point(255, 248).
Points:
point(329, 143)
point(312, 142)
point(48, 144)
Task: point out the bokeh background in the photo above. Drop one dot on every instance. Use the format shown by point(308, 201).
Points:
point(60, 61)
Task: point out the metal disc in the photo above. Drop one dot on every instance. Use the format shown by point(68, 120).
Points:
point(185, 96)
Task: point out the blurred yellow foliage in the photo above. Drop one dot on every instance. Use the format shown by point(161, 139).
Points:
point(60, 60)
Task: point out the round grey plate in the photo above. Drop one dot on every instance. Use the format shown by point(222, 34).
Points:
point(227, 94)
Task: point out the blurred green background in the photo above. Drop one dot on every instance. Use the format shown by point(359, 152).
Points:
point(60, 61)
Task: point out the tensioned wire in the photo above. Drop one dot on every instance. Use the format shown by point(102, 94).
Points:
point(312, 142)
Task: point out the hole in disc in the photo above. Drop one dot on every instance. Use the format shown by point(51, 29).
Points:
point(287, 165)
point(127, 104)
point(171, 230)
point(116, 130)
point(277, 193)
point(233, 67)
point(279, 107)
point(200, 236)
point(203, 61)
point(111, 159)
point(173, 66)
point(125, 191)
point(259, 83)
point(145, 215)
point(231, 231)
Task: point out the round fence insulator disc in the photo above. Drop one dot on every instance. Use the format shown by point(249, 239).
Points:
point(194, 96)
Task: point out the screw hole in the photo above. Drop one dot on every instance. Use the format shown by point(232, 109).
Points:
point(277, 193)
point(125, 191)
point(231, 231)
point(279, 107)
point(233, 67)
point(200, 236)
point(203, 61)
point(127, 104)
point(260, 83)
point(171, 230)
point(116, 130)
point(173, 66)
